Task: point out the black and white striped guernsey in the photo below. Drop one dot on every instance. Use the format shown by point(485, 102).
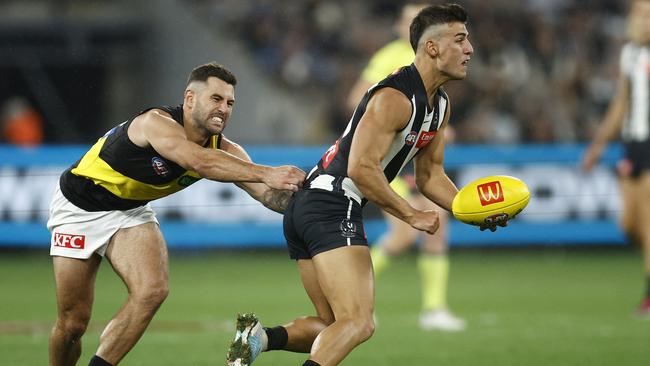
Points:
point(331, 171)
point(635, 66)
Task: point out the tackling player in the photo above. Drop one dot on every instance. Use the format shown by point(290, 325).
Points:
point(100, 208)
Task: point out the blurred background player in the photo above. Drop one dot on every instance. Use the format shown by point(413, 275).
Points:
point(433, 262)
point(629, 113)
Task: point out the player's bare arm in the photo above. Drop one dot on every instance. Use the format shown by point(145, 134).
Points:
point(430, 176)
point(156, 128)
point(611, 124)
point(273, 199)
point(387, 112)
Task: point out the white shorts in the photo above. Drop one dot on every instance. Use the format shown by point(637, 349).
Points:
point(78, 233)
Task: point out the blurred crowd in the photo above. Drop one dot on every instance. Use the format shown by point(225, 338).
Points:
point(542, 71)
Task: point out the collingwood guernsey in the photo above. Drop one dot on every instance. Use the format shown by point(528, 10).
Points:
point(331, 172)
point(635, 66)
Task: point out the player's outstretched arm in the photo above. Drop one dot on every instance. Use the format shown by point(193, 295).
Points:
point(610, 126)
point(156, 128)
point(430, 176)
point(273, 199)
point(386, 113)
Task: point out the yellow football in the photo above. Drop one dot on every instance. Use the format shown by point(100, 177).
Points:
point(491, 199)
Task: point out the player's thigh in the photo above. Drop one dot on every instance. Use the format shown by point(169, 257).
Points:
point(631, 200)
point(643, 204)
point(75, 282)
point(346, 279)
point(312, 287)
point(139, 256)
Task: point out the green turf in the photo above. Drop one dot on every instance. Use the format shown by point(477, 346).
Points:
point(524, 307)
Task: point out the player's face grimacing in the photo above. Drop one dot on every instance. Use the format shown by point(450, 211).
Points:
point(214, 105)
point(455, 51)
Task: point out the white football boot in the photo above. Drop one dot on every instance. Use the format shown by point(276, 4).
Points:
point(441, 319)
point(249, 341)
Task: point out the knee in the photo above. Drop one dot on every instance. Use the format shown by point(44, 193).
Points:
point(152, 295)
point(363, 327)
point(73, 323)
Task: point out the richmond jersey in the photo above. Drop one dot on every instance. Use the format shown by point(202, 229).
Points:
point(425, 121)
point(635, 66)
point(116, 174)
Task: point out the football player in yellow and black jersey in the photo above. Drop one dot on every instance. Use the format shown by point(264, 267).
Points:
point(399, 119)
point(629, 115)
point(101, 208)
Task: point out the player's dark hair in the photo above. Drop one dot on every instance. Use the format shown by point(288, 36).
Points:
point(203, 72)
point(434, 15)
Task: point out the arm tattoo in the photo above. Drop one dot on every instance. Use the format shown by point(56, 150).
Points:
point(276, 199)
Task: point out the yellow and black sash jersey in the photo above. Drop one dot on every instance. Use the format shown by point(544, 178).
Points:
point(116, 174)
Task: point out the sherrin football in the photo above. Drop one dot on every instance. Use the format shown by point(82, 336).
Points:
point(490, 200)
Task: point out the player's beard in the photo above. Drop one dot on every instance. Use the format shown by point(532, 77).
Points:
point(204, 118)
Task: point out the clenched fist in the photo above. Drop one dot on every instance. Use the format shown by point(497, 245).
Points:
point(427, 220)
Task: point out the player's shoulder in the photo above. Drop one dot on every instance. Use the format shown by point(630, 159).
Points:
point(629, 53)
point(390, 100)
point(156, 112)
point(232, 147)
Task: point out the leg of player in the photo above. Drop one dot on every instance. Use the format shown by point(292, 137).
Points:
point(297, 336)
point(644, 226)
point(634, 223)
point(139, 256)
point(303, 331)
point(346, 279)
point(433, 264)
point(630, 196)
point(75, 282)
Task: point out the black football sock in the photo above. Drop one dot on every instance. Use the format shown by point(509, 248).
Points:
point(310, 363)
point(277, 337)
point(98, 361)
point(647, 289)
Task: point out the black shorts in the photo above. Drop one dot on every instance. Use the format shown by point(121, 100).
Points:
point(638, 154)
point(317, 220)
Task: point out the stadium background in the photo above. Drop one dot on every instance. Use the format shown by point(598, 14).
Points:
point(558, 285)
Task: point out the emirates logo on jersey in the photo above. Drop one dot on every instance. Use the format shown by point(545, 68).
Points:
point(425, 138)
point(410, 138)
point(159, 166)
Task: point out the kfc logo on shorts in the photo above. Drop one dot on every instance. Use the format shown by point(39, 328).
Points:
point(410, 138)
point(71, 241)
point(490, 193)
point(425, 138)
point(159, 166)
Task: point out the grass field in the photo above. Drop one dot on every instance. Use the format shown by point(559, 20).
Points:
point(524, 307)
